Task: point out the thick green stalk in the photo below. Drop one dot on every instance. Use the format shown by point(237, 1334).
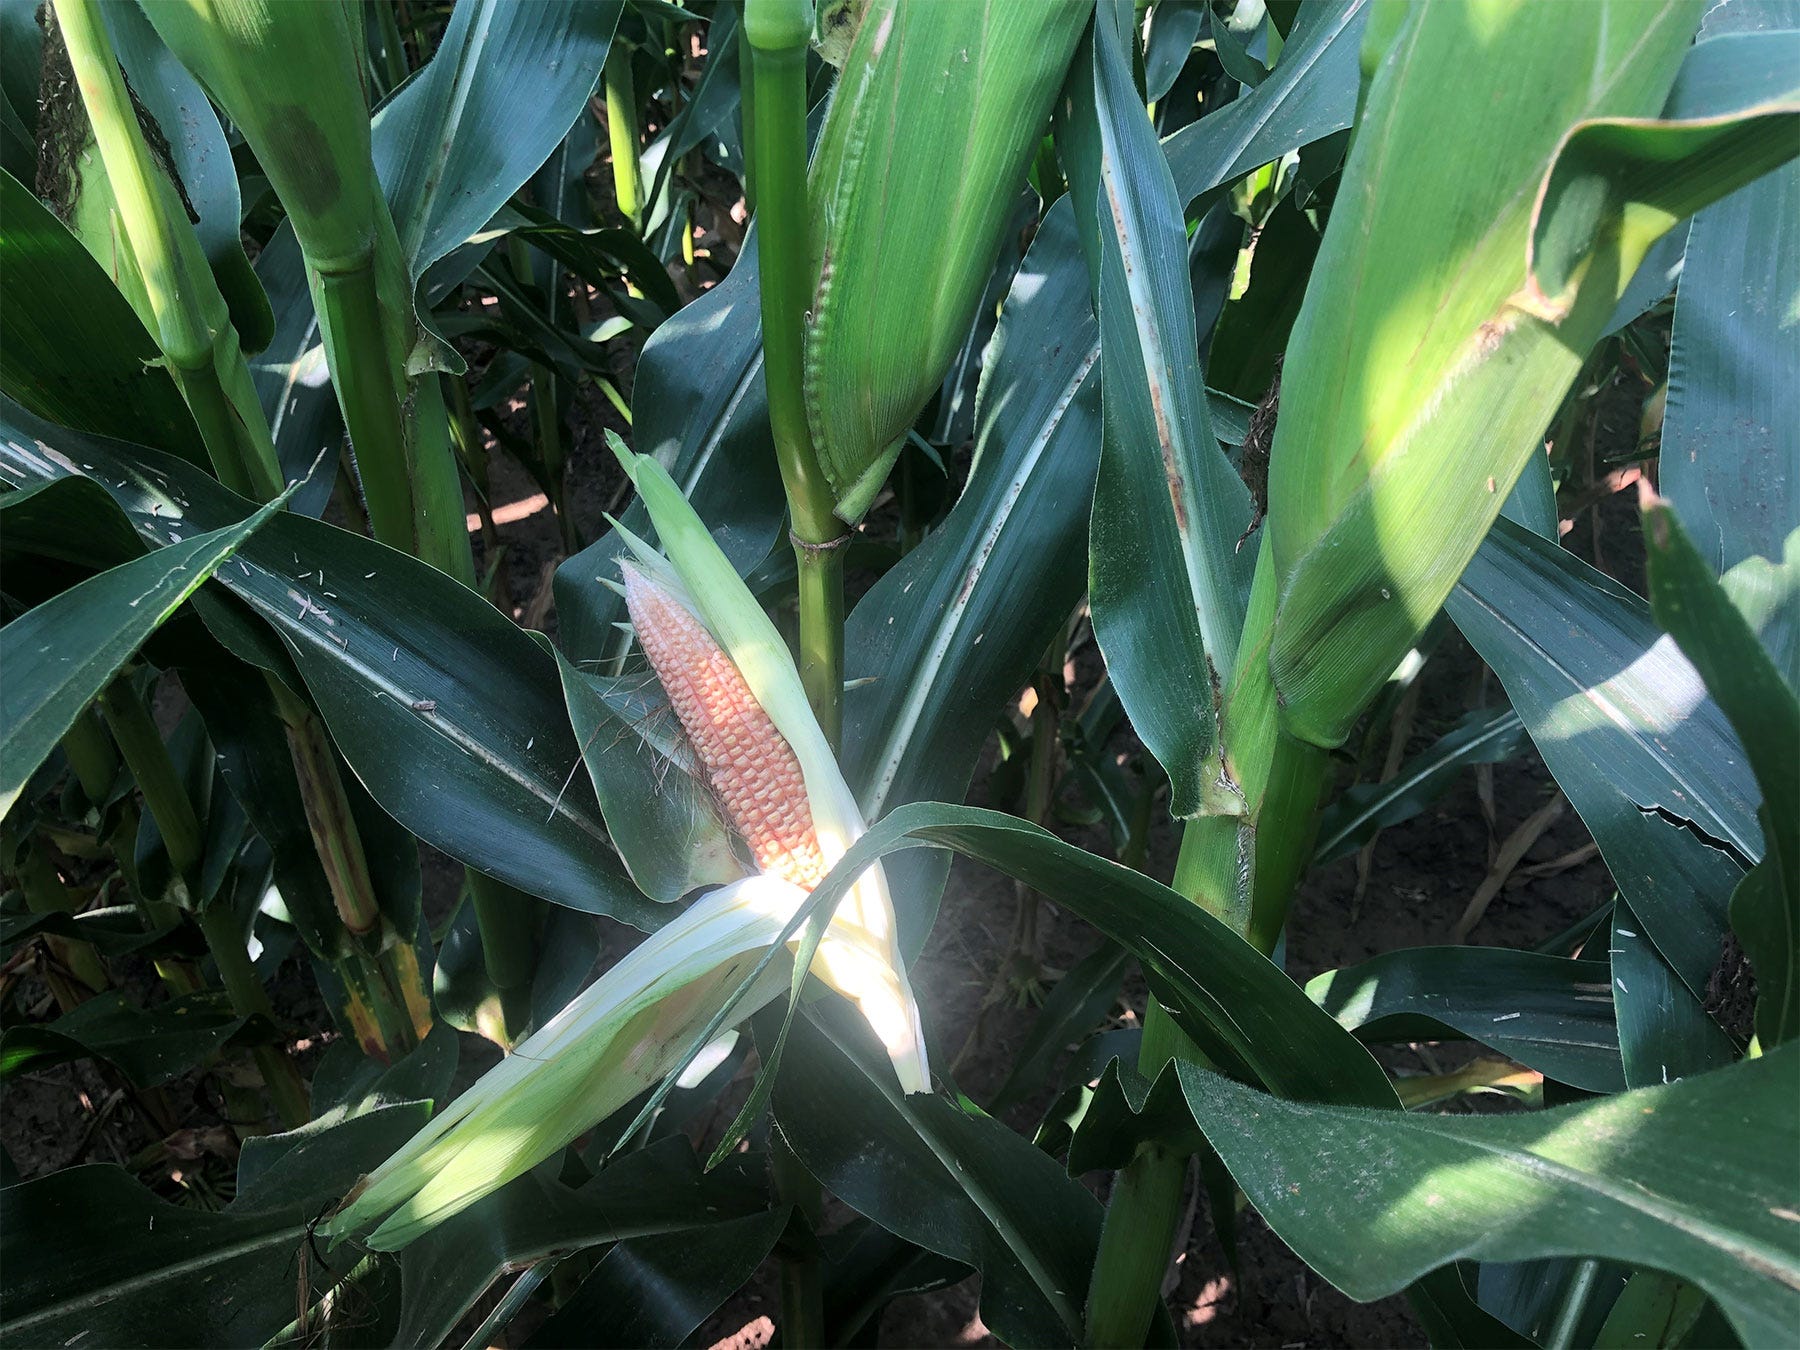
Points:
point(371, 390)
point(225, 941)
point(777, 156)
point(148, 758)
point(775, 34)
point(91, 756)
point(187, 312)
point(622, 135)
point(1242, 870)
point(1142, 1214)
point(141, 744)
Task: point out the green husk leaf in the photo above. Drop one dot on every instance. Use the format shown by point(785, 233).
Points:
point(934, 121)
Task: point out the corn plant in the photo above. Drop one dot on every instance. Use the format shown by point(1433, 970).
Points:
point(671, 459)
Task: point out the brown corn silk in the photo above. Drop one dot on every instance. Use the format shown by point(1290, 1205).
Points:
point(749, 765)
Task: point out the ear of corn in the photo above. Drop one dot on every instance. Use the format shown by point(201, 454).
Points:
point(933, 125)
point(737, 694)
point(861, 955)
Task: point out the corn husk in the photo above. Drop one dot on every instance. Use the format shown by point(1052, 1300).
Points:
point(935, 119)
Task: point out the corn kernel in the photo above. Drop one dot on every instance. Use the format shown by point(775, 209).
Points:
point(752, 770)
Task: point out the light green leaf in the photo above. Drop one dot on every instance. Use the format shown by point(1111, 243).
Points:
point(1618, 183)
point(1696, 1178)
point(1416, 389)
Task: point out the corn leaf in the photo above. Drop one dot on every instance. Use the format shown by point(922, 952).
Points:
point(698, 410)
point(499, 95)
point(75, 350)
point(926, 140)
point(658, 810)
point(1619, 183)
point(1365, 810)
point(949, 1178)
point(200, 158)
point(1165, 491)
point(468, 743)
point(1664, 1030)
point(659, 1189)
point(1415, 388)
point(60, 655)
point(1765, 714)
point(1695, 1178)
point(1623, 722)
point(131, 1280)
point(1548, 1013)
point(948, 634)
point(149, 1046)
point(656, 1289)
point(1730, 462)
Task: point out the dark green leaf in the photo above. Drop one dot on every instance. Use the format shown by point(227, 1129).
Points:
point(1357, 816)
point(699, 410)
point(448, 712)
point(1168, 582)
point(1623, 722)
point(659, 1189)
point(1550, 1014)
point(655, 1291)
point(1664, 1030)
point(90, 1253)
point(502, 89)
point(1765, 714)
point(1077, 1003)
point(148, 1045)
point(75, 351)
point(951, 1180)
point(60, 655)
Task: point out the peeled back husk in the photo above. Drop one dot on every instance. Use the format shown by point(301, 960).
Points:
point(930, 131)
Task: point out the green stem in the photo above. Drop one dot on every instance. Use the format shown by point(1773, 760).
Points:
point(225, 940)
point(373, 398)
point(778, 161)
point(187, 311)
point(393, 50)
point(1141, 1219)
point(622, 135)
point(775, 36)
point(91, 756)
point(141, 744)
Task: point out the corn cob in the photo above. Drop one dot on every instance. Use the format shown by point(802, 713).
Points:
point(752, 769)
